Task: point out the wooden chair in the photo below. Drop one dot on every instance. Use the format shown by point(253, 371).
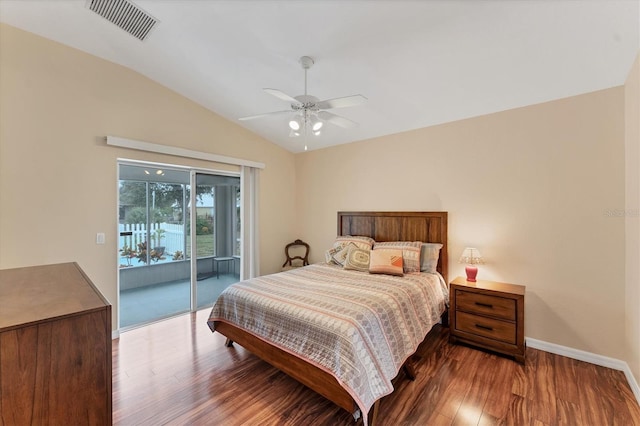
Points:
point(290, 249)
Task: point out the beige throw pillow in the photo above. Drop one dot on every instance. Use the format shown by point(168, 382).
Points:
point(357, 259)
point(386, 261)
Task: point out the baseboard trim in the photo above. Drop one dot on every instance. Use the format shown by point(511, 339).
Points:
point(589, 357)
point(632, 382)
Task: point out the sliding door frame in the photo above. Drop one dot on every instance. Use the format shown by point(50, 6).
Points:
point(192, 216)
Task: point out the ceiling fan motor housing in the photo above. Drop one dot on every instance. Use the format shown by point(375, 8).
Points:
point(307, 102)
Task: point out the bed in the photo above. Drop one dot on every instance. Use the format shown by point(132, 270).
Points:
point(305, 347)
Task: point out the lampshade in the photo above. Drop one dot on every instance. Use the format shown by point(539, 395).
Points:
point(316, 124)
point(295, 123)
point(471, 256)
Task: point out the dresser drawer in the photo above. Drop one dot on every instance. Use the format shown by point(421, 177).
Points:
point(486, 327)
point(494, 306)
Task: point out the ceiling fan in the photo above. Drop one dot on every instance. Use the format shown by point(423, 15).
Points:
point(310, 113)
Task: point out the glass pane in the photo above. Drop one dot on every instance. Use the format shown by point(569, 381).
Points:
point(204, 220)
point(166, 232)
point(154, 274)
point(218, 259)
point(187, 221)
point(132, 223)
point(237, 227)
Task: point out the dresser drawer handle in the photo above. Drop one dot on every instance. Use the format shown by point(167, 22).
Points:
point(484, 327)
point(484, 305)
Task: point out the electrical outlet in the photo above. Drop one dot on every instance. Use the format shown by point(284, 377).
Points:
point(100, 238)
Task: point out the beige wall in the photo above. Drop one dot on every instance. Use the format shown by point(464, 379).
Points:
point(632, 219)
point(58, 178)
point(537, 189)
point(532, 188)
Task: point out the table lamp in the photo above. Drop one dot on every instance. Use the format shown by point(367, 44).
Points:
point(471, 256)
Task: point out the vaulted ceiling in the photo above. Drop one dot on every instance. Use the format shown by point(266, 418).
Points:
point(419, 63)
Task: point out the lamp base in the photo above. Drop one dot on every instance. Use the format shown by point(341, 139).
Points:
point(472, 272)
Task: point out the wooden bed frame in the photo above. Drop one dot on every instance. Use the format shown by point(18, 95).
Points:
point(381, 226)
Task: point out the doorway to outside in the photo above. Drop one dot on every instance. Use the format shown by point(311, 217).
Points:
point(158, 232)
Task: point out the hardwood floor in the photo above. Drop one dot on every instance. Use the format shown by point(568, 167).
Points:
point(177, 372)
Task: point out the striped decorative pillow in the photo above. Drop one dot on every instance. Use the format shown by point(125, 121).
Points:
point(410, 253)
point(361, 242)
point(340, 257)
point(386, 261)
point(328, 255)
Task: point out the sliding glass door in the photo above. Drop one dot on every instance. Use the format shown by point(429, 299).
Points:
point(153, 269)
point(158, 231)
point(217, 235)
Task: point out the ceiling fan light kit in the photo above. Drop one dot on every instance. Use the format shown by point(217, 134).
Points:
point(295, 123)
point(309, 112)
point(316, 123)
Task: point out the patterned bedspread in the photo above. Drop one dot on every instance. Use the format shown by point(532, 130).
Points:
point(357, 326)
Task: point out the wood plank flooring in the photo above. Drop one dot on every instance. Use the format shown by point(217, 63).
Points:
point(177, 372)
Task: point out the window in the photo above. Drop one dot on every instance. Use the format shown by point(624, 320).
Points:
point(152, 215)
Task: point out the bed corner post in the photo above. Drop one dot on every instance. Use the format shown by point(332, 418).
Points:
point(445, 318)
point(373, 414)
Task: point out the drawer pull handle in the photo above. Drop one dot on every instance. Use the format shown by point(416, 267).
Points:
point(484, 327)
point(484, 305)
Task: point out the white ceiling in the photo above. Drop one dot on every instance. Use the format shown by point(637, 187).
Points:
point(419, 63)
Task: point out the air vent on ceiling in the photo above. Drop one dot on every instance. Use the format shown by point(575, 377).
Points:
point(126, 15)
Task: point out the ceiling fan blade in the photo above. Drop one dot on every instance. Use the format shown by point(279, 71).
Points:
point(336, 120)
point(343, 102)
point(281, 95)
point(266, 114)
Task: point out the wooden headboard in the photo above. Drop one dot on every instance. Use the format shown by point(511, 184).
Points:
point(428, 227)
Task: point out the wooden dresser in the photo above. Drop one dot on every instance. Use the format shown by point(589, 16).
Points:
point(55, 348)
point(488, 314)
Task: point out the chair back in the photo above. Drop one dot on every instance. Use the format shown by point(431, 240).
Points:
point(289, 250)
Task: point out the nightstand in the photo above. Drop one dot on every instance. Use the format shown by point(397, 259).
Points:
point(489, 315)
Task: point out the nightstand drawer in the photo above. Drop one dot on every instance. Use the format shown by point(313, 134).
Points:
point(486, 327)
point(494, 306)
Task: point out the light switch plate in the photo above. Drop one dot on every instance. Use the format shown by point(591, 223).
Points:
point(100, 238)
